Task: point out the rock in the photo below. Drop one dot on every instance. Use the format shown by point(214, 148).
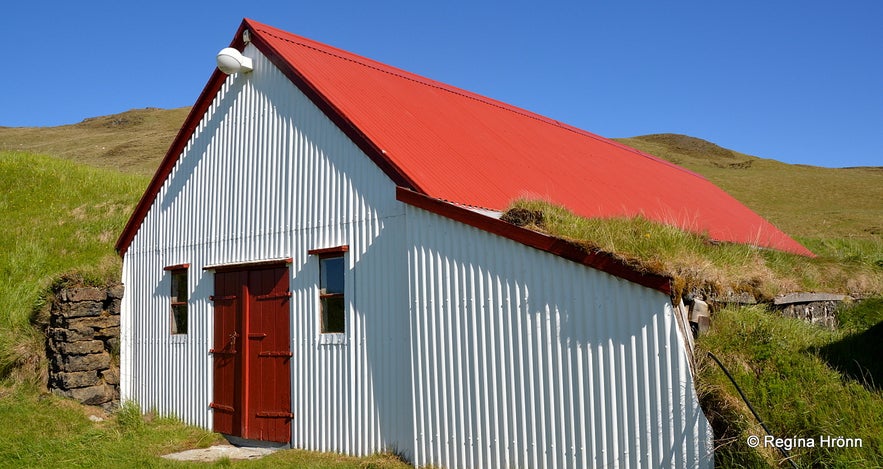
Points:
point(83, 326)
point(111, 376)
point(97, 322)
point(116, 291)
point(807, 298)
point(93, 395)
point(84, 347)
point(112, 344)
point(71, 335)
point(108, 332)
point(79, 310)
point(86, 294)
point(743, 298)
point(96, 361)
point(77, 379)
point(113, 306)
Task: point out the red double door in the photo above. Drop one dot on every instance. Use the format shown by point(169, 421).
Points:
point(252, 354)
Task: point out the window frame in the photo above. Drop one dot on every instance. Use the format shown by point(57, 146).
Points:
point(175, 273)
point(338, 252)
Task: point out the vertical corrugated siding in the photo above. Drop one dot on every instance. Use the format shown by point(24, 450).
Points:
point(267, 176)
point(523, 359)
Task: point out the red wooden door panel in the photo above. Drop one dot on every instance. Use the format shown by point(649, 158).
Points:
point(252, 354)
point(227, 354)
point(269, 356)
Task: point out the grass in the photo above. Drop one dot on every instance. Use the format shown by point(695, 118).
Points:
point(56, 216)
point(852, 266)
point(796, 388)
point(54, 432)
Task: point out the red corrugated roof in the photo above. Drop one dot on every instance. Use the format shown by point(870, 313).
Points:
point(455, 145)
point(466, 148)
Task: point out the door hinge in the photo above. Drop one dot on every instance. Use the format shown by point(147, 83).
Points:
point(286, 415)
point(276, 354)
point(271, 296)
point(222, 298)
point(223, 407)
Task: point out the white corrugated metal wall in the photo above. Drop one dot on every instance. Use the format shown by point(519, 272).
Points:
point(266, 176)
point(524, 359)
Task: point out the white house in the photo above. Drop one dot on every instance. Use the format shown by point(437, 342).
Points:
point(318, 262)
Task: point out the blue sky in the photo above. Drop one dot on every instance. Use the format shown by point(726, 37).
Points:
point(799, 81)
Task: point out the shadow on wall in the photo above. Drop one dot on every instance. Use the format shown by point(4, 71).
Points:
point(385, 329)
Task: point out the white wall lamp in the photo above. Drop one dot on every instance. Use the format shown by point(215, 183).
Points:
point(232, 61)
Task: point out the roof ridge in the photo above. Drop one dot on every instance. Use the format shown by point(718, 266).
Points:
point(410, 76)
point(401, 73)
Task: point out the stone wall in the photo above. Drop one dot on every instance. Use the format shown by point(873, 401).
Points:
point(82, 344)
point(816, 308)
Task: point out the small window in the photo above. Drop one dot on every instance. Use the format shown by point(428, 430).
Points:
point(332, 317)
point(179, 296)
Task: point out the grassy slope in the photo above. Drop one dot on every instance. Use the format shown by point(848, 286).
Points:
point(133, 141)
point(804, 201)
point(55, 216)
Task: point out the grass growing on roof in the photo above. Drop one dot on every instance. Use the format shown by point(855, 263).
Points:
point(694, 261)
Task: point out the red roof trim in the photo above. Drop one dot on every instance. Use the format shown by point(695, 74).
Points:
point(595, 259)
point(337, 116)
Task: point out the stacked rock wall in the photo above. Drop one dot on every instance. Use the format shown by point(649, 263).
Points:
point(82, 344)
point(816, 308)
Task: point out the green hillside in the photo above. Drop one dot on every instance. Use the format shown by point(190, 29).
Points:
point(133, 141)
point(804, 201)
